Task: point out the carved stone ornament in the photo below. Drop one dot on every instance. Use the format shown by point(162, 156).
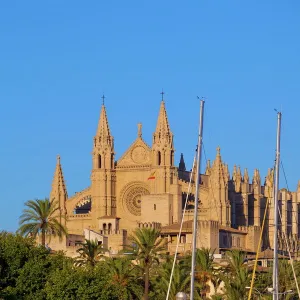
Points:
point(139, 155)
point(132, 198)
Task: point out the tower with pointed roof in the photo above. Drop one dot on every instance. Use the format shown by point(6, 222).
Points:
point(103, 171)
point(163, 152)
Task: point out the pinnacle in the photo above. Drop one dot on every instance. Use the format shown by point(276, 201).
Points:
point(103, 127)
point(246, 176)
point(58, 179)
point(162, 126)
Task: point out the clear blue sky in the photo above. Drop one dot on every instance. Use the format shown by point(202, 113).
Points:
point(58, 57)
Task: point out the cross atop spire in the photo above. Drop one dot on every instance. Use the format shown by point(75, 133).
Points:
point(162, 94)
point(103, 98)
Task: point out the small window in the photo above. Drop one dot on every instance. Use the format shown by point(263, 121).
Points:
point(99, 162)
point(154, 207)
point(112, 161)
point(159, 158)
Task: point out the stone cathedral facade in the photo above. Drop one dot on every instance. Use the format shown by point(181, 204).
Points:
point(144, 188)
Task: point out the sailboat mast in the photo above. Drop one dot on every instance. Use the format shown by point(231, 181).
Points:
point(199, 148)
point(276, 188)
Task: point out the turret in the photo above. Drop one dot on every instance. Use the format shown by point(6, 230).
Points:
point(103, 152)
point(162, 144)
point(103, 173)
point(162, 153)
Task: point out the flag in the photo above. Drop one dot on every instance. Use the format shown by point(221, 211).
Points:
point(152, 175)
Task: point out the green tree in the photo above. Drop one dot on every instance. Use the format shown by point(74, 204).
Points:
point(237, 276)
point(148, 248)
point(180, 281)
point(41, 216)
point(34, 274)
point(123, 275)
point(15, 251)
point(205, 269)
point(89, 253)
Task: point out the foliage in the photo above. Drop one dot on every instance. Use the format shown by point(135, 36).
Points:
point(148, 247)
point(41, 216)
point(28, 271)
point(237, 276)
point(180, 281)
point(89, 253)
point(123, 275)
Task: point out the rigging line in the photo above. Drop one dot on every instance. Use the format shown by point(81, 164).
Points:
point(258, 248)
point(181, 225)
point(286, 182)
point(290, 256)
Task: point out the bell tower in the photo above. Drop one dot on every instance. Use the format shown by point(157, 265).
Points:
point(162, 154)
point(103, 173)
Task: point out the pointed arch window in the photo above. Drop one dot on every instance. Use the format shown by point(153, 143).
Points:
point(172, 158)
point(99, 161)
point(112, 161)
point(159, 158)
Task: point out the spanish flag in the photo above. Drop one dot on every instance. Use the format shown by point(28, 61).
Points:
point(152, 175)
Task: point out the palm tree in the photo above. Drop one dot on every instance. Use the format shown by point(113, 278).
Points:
point(124, 276)
point(180, 281)
point(237, 277)
point(148, 247)
point(89, 253)
point(204, 269)
point(41, 216)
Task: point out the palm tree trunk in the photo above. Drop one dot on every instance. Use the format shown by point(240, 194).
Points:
point(43, 238)
point(146, 289)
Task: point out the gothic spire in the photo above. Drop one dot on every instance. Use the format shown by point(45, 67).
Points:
point(58, 183)
point(163, 132)
point(103, 127)
point(256, 177)
point(103, 136)
point(298, 186)
point(208, 167)
point(246, 176)
point(219, 171)
point(182, 163)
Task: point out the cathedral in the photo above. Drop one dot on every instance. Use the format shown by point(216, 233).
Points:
point(144, 188)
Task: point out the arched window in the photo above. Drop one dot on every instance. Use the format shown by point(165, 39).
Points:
point(172, 158)
point(109, 227)
point(99, 162)
point(104, 226)
point(112, 161)
point(154, 207)
point(159, 158)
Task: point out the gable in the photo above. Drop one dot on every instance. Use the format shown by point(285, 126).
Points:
point(138, 154)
